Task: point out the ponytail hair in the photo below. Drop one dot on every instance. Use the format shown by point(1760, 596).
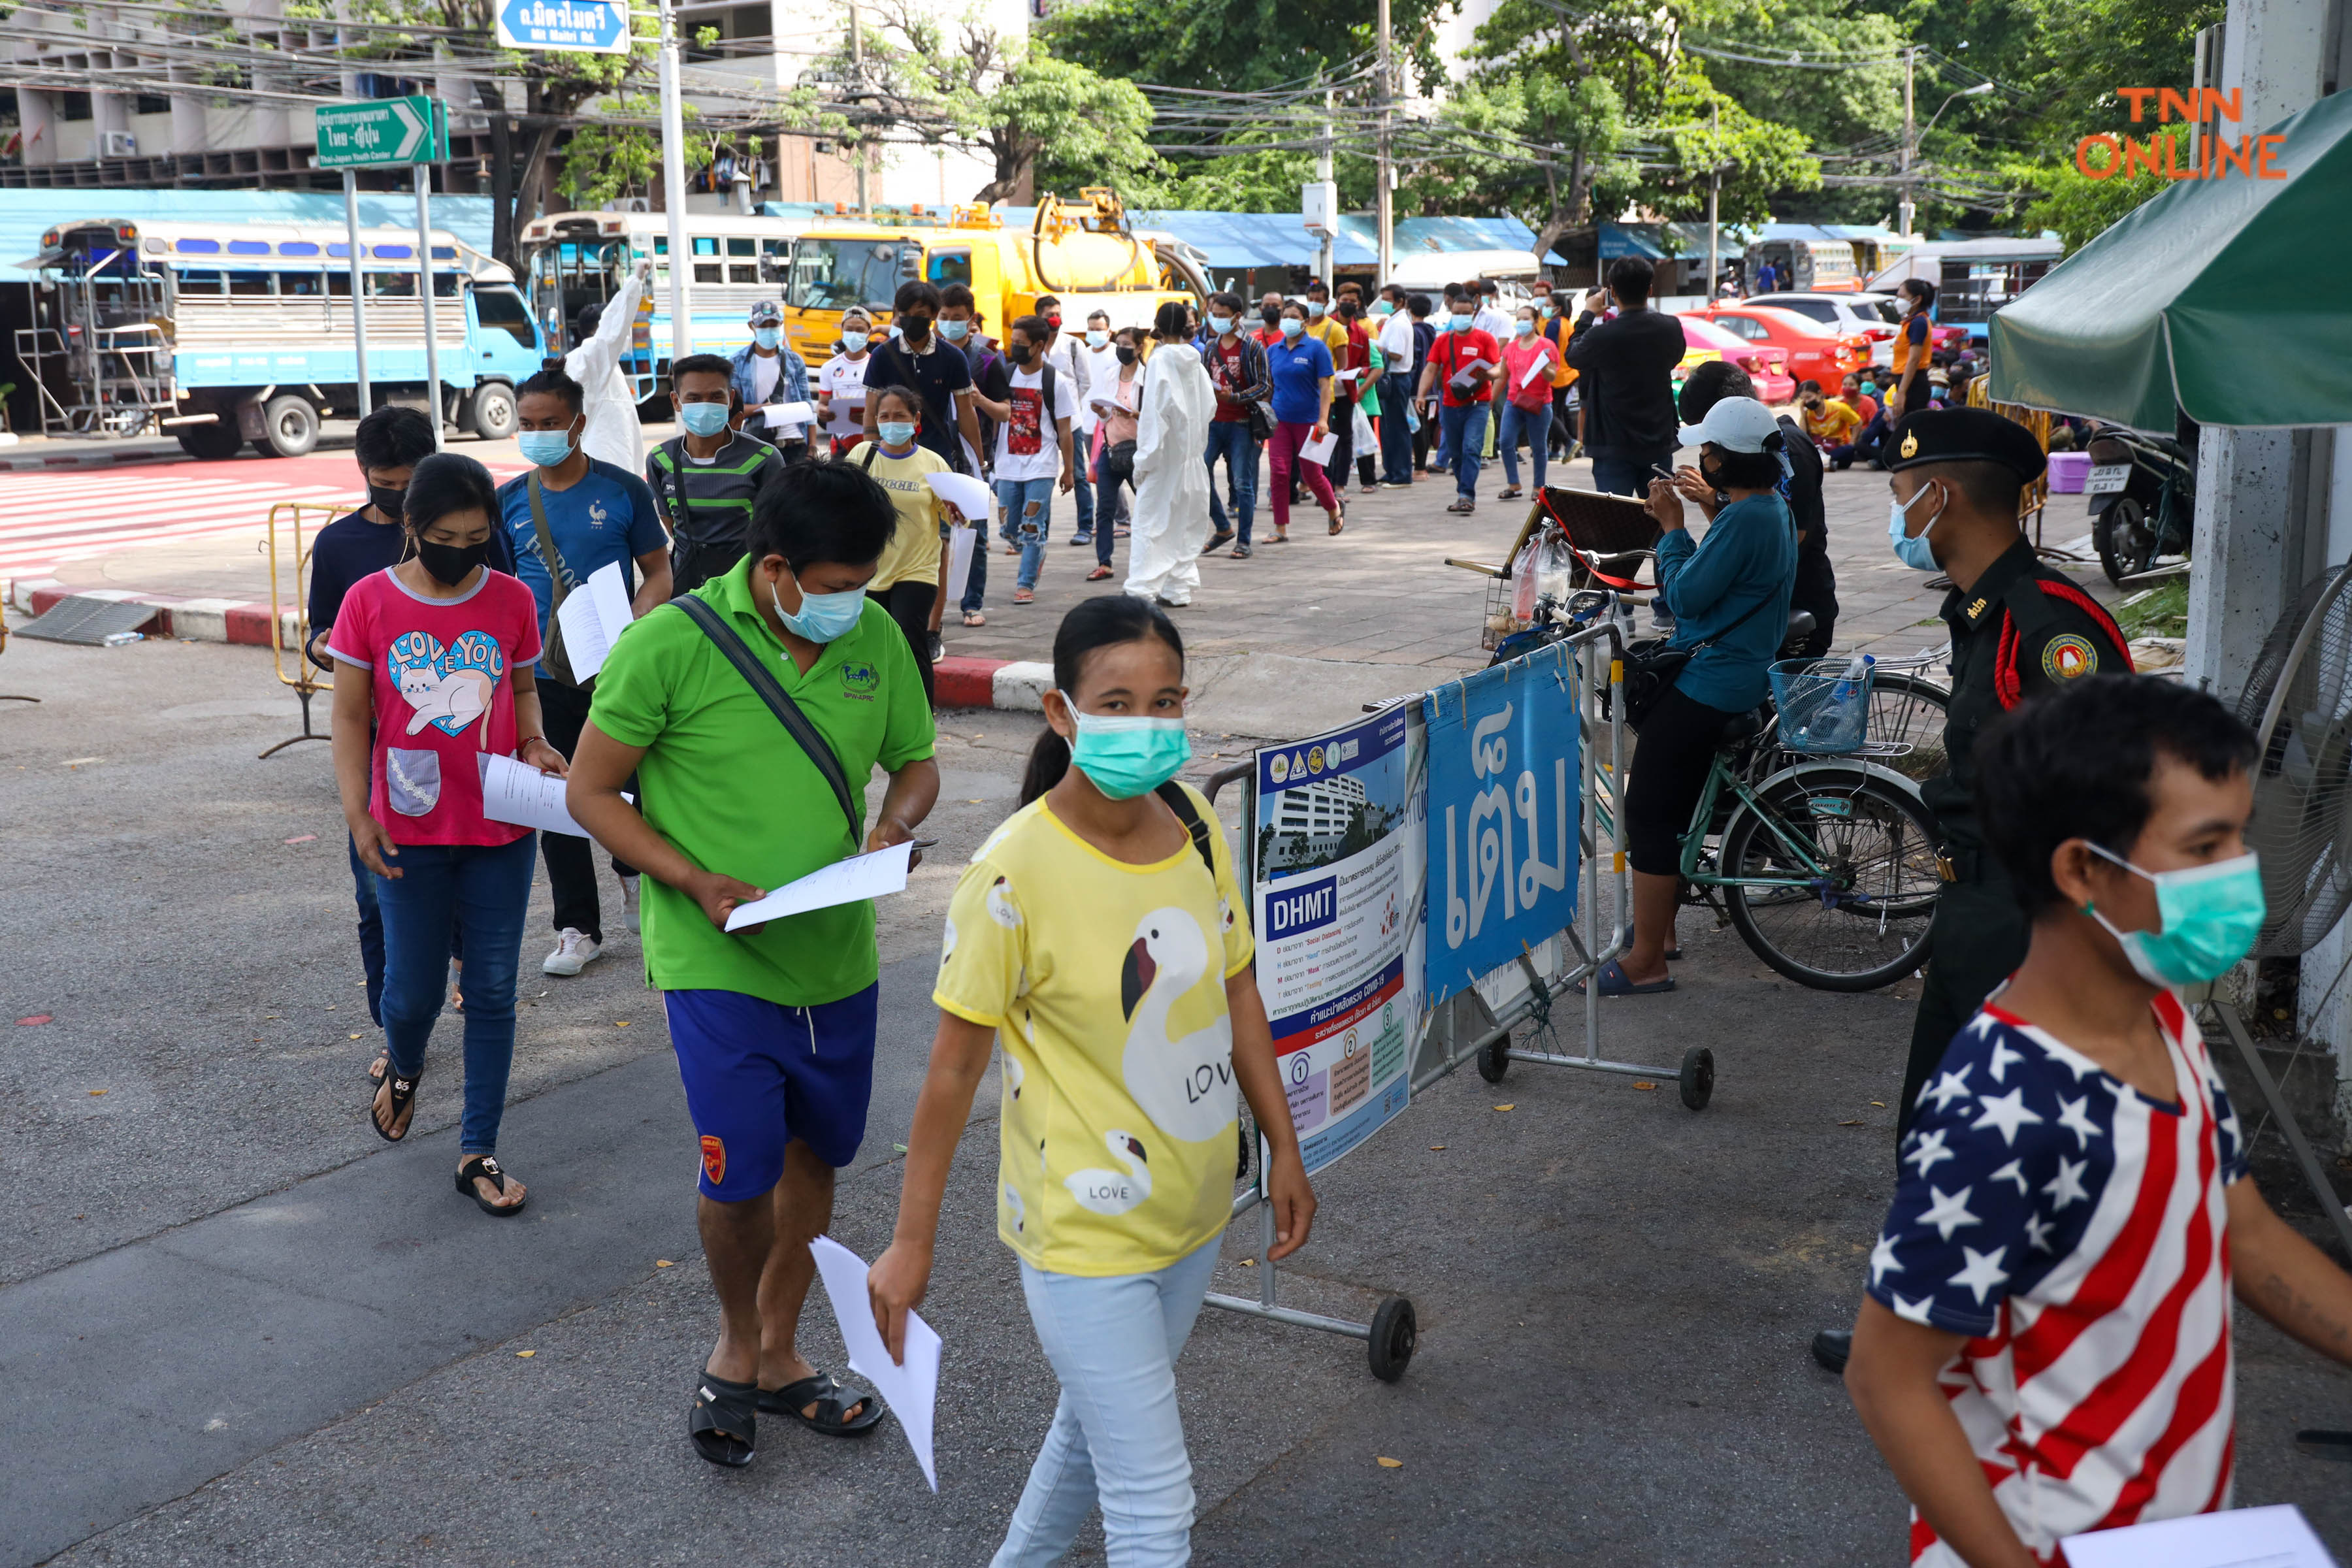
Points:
point(1107, 621)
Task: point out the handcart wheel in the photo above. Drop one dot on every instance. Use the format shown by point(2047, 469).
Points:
point(1394, 1334)
point(1494, 1059)
point(1697, 1077)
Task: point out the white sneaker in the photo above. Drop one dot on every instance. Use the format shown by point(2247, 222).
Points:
point(574, 951)
point(629, 900)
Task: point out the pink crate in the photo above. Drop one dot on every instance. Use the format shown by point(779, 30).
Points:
point(2069, 471)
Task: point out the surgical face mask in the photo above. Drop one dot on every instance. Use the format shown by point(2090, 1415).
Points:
point(703, 418)
point(388, 501)
point(1292, 326)
point(1221, 325)
point(1316, 307)
point(767, 337)
point(954, 331)
point(1457, 323)
point(895, 432)
point(2211, 915)
point(1912, 551)
point(823, 616)
point(1524, 327)
point(1097, 337)
point(1125, 757)
point(1382, 307)
point(1549, 308)
point(1125, 355)
point(450, 564)
point(545, 447)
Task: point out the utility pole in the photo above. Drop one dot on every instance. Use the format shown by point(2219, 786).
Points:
point(359, 287)
point(1908, 205)
point(857, 69)
point(1385, 198)
point(1714, 196)
point(681, 260)
point(1323, 175)
point(433, 392)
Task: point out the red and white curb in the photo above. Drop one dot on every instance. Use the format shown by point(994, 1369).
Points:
point(1013, 686)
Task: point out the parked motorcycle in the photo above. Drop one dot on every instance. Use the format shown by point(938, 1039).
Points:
point(2142, 492)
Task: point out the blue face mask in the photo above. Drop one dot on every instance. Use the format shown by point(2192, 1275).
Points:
point(895, 432)
point(823, 616)
point(1382, 307)
point(1292, 326)
point(2211, 915)
point(545, 447)
point(703, 418)
point(1221, 325)
point(1097, 336)
point(767, 337)
point(954, 331)
point(1316, 307)
point(1457, 323)
point(1125, 757)
point(1912, 551)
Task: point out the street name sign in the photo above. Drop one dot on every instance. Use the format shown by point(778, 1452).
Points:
point(585, 27)
point(393, 131)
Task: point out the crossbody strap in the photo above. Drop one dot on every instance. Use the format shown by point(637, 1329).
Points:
point(1180, 804)
point(554, 562)
point(763, 681)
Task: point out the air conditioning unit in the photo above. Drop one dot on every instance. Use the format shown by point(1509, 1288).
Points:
point(118, 144)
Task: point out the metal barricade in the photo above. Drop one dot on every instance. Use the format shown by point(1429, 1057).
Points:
point(4, 648)
point(286, 519)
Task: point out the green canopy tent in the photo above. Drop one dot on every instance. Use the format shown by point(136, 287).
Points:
point(2219, 295)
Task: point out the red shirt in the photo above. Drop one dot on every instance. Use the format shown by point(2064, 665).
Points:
point(441, 670)
point(1226, 374)
point(1456, 352)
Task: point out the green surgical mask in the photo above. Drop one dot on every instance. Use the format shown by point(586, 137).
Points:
point(2210, 915)
point(1125, 757)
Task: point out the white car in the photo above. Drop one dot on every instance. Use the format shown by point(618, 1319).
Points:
point(1876, 316)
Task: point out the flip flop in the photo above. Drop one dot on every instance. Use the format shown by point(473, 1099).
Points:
point(1615, 983)
point(830, 1399)
point(974, 618)
point(486, 1166)
point(402, 1098)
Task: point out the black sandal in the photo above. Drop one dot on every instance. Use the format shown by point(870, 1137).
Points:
point(380, 1065)
point(486, 1166)
point(403, 1099)
point(830, 1399)
point(725, 1420)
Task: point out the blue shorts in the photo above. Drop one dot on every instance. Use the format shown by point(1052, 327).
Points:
point(759, 1073)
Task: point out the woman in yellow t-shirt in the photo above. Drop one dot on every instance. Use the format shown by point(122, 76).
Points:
point(1088, 939)
point(910, 581)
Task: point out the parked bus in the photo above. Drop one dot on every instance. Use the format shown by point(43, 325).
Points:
point(1806, 266)
point(226, 332)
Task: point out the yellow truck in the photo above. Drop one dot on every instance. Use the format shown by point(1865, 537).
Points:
point(1083, 253)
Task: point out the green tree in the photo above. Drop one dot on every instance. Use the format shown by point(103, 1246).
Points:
point(2081, 208)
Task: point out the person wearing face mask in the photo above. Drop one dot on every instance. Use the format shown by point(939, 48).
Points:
point(614, 433)
point(1400, 356)
point(910, 580)
point(1454, 376)
point(1241, 425)
point(2044, 1342)
point(841, 382)
point(1033, 407)
point(1799, 485)
point(704, 479)
point(1528, 364)
point(1424, 343)
point(2020, 630)
point(1302, 372)
point(437, 657)
point(754, 711)
point(1073, 364)
point(1107, 893)
point(1558, 329)
point(922, 358)
point(766, 373)
point(1099, 357)
point(1118, 401)
point(1269, 331)
point(567, 519)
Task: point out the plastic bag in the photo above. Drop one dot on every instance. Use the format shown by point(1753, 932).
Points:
point(1522, 587)
point(1554, 567)
point(1366, 441)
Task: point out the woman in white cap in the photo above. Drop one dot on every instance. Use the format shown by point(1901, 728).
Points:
point(1730, 594)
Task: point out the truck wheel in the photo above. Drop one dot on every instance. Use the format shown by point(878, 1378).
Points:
point(289, 428)
point(212, 442)
point(493, 414)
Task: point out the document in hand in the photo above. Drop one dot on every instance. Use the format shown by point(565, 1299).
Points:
point(1347, 374)
point(592, 616)
point(868, 876)
point(518, 793)
point(1539, 365)
point(1320, 451)
point(1462, 381)
point(961, 545)
point(2274, 1537)
point(966, 494)
point(790, 414)
point(912, 1389)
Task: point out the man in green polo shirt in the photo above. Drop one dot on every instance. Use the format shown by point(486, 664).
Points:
point(704, 479)
point(773, 1025)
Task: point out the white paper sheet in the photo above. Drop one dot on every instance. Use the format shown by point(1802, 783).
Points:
point(790, 414)
point(592, 616)
point(967, 495)
point(962, 543)
point(518, 793)
point(1535, 366)
point(868, 876)
point(2274, 1537)
point(1347, 374)
point(1320, 451)
point(912, 1390)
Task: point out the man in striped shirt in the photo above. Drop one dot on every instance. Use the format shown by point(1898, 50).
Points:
point(704, 478)
point(2045, 1349)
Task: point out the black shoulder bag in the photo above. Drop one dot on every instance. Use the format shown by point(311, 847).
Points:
point(1180, 804)
point(771, 690)
point(1651, 667)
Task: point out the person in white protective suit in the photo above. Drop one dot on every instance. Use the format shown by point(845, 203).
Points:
point(612, 434)
point(1171, 484)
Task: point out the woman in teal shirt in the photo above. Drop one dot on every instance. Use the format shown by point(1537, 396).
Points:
point(1729, 594)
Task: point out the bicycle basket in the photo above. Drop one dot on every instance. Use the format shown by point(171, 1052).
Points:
point(1824, 706)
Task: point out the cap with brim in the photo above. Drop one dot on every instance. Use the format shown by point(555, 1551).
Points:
point(1963, 436)
point(766, 313)
point(1734, 424)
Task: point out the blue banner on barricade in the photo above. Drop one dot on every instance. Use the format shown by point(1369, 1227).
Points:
point(1504, 803)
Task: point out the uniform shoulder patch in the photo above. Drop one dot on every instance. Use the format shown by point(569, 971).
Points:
point(2069, 656)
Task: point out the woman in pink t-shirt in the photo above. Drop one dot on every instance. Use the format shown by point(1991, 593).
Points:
point(439, 651)
point(1529, 360)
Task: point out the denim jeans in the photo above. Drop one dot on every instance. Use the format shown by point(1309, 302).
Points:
point(482, 889)
point(370, 931)
point(1461, 432)
point(1532, 425)
point(975, 586)
point(1083, 492)
point(1230, 440)
point(1116, 1437)
point(1396, 432)
point(1619, 475)
point(1018, 497)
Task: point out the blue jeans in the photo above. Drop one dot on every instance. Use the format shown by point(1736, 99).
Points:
point(975, 587)
point(1618, 475)
point(1116, 1437)
point(1082, 491)
point(370, 931)
point(1461, 432)
point(1230, 440)
point(1532, 425)
point(482, 889)
point(1029, 507)
point(1396, 432)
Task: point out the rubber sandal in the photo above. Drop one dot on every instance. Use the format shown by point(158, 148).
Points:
point(1509, 493)
point(1023, 597)
point(402, 1093)
point(377, 1068)
point(1281, 536)
point(1217, 541)
point(1241, 553)
point(1615, 983)
point(1337, 524)
point(830, 1399)
point(725, 1420)
point(1099, 573)
point(486, 1167)
point(1461, 508)
point(974, 618)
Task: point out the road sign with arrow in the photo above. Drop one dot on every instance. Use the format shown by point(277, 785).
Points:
point(588, 26)
point(385, 130)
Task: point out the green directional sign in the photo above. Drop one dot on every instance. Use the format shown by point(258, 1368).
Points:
point(414, 130)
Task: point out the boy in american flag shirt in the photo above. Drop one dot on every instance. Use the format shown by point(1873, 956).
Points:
point(2044, 1347)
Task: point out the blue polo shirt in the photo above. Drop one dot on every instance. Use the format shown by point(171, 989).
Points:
point(1299, 365)
point(608, 516)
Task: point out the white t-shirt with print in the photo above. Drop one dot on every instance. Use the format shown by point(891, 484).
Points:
point(845, 379)
point(766, 371)
point(1028, 446)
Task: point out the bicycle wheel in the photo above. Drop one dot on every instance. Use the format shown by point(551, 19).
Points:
point(1837, 879)
point(1908, 711)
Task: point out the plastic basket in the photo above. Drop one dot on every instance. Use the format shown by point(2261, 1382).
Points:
point(1822, 705)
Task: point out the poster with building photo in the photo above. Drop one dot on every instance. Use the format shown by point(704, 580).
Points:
point(1338, 869)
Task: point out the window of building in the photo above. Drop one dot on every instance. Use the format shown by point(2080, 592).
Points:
point(150, 103)
point(73, 106)
point(742, 248)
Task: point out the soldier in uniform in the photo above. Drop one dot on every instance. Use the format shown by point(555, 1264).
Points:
point(2018, 629)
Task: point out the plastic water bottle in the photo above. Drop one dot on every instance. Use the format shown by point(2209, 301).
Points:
point(1854, 671)
point(124, 639)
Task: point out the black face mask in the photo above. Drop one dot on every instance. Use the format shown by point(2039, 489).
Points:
point(1125, 354)
point(1017, 353)
point(388, 501)
point(450, 564)
point(915, 329)
point(1270, 315)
